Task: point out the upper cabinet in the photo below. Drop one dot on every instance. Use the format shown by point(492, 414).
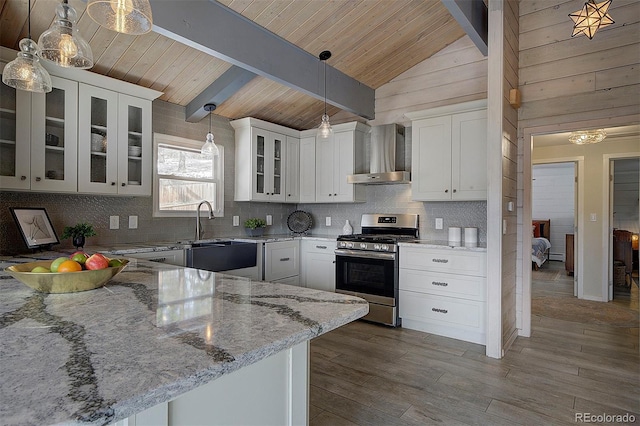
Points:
point(86, 135)
point(38, 138)
point(449, 153)
point(267, 157)
point(115, 157)
point(324, 169)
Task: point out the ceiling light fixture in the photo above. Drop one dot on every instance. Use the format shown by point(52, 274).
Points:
point(62, 43)
point(209, 149)
point(124, 16)
point(26, 72)
point(591, 18)
point(586, 137)
point(325, 130)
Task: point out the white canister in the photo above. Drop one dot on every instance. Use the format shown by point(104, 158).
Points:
point(470, 237)
point(454, 235)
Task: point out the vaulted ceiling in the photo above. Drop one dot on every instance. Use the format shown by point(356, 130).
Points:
point(372, 41)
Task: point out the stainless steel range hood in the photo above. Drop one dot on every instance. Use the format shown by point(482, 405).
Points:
point(386, 157)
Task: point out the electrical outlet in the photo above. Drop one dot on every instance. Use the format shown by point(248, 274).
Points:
point(269, 220)
point(236, 221)
point(327, 221)
point(593, 217)
point(133, 222)
point(114, 222)
point(439, 223)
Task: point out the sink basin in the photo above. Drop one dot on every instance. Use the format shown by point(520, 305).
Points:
point(223, 255)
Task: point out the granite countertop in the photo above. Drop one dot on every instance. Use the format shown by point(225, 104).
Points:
point(154, 332)
point(481, 246)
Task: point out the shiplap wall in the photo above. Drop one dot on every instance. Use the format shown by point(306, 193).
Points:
point(509, 171)
point(553, 198)
point(458, 73)
point(626, 186)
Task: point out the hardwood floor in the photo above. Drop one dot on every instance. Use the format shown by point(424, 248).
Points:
point(367, 374)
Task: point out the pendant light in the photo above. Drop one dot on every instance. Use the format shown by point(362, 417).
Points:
point(209, 149)
point(124, 16)
point(26, 72)
point(591, 18)
point(324, 130)
point(62, 43)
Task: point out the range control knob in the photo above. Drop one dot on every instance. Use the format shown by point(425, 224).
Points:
point(384, 247)
point(377, 247)
point(363, 246)
point(349, 244)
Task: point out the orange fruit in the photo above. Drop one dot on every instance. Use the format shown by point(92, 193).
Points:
point(69, 266)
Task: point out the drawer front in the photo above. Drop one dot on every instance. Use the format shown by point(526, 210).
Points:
point(281, 260)
point(461, 286)
point(449, 261)
point(442, 310)
point(317, 246)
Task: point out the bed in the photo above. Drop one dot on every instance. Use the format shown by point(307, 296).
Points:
point(540, 244)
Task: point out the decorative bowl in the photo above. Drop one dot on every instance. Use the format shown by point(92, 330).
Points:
point(62, 282)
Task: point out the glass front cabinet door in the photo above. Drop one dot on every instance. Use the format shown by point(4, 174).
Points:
point(15, 143)
point(268, 182)
point(134, 145)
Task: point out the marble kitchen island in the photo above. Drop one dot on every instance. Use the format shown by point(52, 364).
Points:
point(161, 344)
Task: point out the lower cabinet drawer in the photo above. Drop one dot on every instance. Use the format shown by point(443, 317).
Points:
point(445, 316)
point(461, 286)
point(461, 262)
point(281, 260)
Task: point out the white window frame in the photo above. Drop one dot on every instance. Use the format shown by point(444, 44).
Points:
point(218, 179)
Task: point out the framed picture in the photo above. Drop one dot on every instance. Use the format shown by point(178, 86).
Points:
point(35, 226)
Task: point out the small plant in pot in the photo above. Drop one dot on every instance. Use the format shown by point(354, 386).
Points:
point(255, 226)
point(78, 233)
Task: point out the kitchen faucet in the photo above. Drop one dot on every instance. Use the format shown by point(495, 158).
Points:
point(198, 231)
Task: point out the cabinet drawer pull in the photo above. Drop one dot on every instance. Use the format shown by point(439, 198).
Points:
point(440, 260)
point(442, 311)
point(284, 259)
point(439, 283)
point(321, 247)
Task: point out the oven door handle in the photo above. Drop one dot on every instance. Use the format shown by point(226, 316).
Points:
point(365, 254)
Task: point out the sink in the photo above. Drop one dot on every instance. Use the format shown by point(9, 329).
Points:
point(223, 255)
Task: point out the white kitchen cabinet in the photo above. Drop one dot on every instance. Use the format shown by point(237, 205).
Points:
point(292, 170)
point(318, 264)
point(125, 121)
point(449, 153)
point(28, 161)
point(308, 166)
point(443, 291)
point(281, 260)
point(171, 257)
point(263, 159)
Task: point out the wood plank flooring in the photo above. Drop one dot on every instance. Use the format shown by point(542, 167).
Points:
point(367, 374)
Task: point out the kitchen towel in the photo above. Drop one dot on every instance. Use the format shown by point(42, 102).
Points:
point(470, 237)
point(454, 234)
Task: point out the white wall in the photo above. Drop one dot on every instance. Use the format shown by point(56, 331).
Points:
point(553, 199)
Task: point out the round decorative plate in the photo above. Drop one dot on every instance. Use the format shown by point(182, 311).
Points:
point(299, 222)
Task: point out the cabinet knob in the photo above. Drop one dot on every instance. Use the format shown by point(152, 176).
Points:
point(454, 191)
point(23, 178)
point(330, 195)
point(38, 178)
point(288, 195)
point(113, 183)
point(446, 190)
point(123, 184)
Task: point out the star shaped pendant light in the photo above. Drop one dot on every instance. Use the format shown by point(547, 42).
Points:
point(591, 18)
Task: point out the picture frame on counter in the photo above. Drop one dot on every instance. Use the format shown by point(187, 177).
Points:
point(35, 227)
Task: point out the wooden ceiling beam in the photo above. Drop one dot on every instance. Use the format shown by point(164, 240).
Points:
point(217, 30)
point(473, 17)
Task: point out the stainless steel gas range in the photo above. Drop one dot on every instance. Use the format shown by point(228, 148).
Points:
point(367, 263)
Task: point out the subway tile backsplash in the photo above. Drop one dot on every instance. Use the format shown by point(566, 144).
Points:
point(69, 209)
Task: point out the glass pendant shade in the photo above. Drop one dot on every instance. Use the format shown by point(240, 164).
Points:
point(209, 149)
point(26, 72)
point(62, 43)
point(124, 16)
point(324, 130)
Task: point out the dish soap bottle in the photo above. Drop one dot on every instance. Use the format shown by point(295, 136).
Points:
point(347, 229)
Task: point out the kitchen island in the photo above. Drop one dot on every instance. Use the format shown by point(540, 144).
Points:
point(161, 344)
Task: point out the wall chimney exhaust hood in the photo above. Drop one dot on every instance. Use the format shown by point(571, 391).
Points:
point(386, 157)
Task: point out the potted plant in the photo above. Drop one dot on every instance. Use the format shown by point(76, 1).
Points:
point(78, 232)
point(255, 226)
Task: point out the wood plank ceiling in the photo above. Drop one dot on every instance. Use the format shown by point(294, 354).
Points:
point(372, 41)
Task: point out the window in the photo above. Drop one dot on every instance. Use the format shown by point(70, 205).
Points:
point(183, 177)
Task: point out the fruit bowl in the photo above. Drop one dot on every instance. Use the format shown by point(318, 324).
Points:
point(62, 282)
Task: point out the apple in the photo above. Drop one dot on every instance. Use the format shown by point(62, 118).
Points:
point(96, 261)
point(80, 257)
point(56, 263)
point(40, 270)
point(115, 262)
